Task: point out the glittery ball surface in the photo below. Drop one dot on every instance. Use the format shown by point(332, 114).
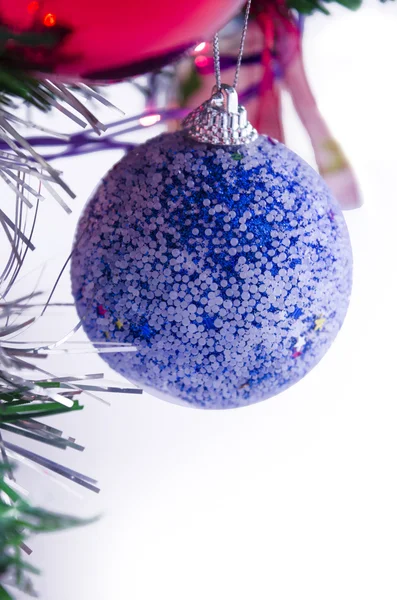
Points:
point(228, 268)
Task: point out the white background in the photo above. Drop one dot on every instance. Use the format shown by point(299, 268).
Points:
point(291, 498)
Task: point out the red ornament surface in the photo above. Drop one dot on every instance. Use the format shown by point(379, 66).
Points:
point(112, 39)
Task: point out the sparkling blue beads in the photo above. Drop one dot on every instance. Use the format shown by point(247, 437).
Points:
point(228, 268)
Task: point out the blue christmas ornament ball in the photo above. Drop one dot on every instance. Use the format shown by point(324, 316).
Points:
point(228, 268)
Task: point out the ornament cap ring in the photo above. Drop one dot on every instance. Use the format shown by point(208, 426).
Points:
point(220, 120)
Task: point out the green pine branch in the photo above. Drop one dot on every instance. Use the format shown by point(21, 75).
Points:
point(308, 7)
point(15, 80)
point(18, 521)
point(18, 518)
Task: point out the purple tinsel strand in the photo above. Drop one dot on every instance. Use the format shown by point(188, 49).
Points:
point(227, 62)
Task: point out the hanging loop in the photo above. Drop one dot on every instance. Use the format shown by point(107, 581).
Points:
point(216, 51)
point(221, 120)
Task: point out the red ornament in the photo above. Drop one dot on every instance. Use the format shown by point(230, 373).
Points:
point(33, 6)
point(112, 40)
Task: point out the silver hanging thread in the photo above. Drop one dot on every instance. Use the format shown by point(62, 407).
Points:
point(221, 120)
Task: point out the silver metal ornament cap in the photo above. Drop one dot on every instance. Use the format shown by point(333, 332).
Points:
point(220, 120)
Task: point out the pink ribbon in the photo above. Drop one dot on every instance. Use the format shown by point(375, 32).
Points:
point(283, 42)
